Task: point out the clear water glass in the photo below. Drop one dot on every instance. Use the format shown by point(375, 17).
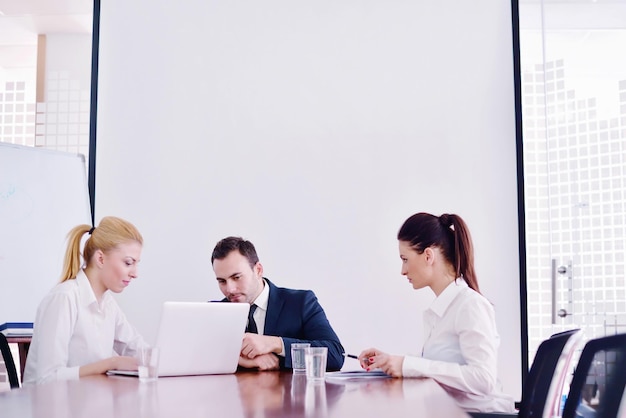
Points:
point(315, 363)
point(298, 363)
point(148, 364)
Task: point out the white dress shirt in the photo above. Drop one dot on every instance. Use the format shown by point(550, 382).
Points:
point(72, 329)
point(461, 349)
point(261, 302)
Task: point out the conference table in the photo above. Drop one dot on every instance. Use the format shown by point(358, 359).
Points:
point(243, 394)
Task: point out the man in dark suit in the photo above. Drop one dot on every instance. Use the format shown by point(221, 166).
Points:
point(279, 316)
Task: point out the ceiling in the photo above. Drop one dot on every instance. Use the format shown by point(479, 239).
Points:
point(22, 20)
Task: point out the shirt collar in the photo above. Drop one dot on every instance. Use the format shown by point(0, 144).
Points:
point(445, 298)
point(262, 300)
point(87, 296)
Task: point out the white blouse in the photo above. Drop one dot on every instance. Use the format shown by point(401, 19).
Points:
point(71, 330)
point(461, 349)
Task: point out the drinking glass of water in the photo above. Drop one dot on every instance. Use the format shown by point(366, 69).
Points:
point(297, 357)
point(315, 360)
point(148, 364)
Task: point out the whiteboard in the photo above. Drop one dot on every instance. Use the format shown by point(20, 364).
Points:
point(43, 194)
point(314, 128)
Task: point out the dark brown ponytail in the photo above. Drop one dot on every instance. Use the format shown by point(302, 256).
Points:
point(447, 232)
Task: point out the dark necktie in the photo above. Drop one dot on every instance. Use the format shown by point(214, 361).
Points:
point(251, 324)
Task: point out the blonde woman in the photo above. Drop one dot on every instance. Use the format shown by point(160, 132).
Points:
point(79, 328)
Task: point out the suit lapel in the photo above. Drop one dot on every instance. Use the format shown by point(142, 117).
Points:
point(274, 308)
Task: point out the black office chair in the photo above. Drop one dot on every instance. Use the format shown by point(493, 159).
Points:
point(598, 384)
point(8, 362)
point(544, 384)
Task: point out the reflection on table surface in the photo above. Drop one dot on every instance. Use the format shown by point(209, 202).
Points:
point(248, 394)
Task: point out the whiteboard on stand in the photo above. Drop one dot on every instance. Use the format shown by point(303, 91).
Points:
point(43, 194)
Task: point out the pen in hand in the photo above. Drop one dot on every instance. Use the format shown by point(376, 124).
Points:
point(366, 361)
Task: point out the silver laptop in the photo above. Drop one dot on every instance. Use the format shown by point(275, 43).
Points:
point(199, 338)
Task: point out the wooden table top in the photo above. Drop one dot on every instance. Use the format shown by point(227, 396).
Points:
point(247, 394)
point(19, 339)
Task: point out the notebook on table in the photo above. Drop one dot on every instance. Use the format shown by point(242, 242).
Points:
point(197, 338)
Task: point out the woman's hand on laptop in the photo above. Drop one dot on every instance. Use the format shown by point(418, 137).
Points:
point(111, 363)
point(263, 362)
point(125, 363)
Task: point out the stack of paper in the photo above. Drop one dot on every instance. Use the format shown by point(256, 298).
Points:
point(356, 375)
point(17, 329)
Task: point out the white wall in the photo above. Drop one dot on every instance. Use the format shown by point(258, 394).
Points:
point(314, 129)
point(70, 53)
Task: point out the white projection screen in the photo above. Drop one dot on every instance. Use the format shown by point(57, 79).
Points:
point(313, 128)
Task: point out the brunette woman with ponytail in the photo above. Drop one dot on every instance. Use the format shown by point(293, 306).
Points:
point(460, 349)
